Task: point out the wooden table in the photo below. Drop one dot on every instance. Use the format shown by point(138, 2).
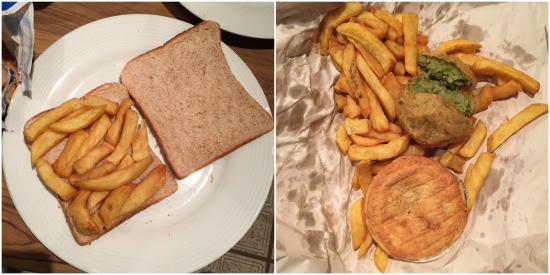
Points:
point(20, 249)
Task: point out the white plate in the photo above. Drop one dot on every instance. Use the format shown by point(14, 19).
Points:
point(248, 19)
point(212, 208)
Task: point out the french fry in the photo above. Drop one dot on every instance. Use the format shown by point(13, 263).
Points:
point(369, 58)
point(416, 149)
point(364, 175)
point(392, 86)
point(378, 119)
point(468, 59)
point(342, 139)
point(78, 111)
point(397, 50)
point(365, 245)
point(394, 28)
point(341, 101)
point(399, 40)
point(399, 69)
point(53, 181)
point(127, 135)
point(80, 215)
point(364, 104)
point(62, 166)
point(114, 131)
point(336, 53)
point(43, 143)
point(410, 30)
point(454, 147)
point(95, 198)
point(342, 86)
point(96, 134)
point(513, 125)
point(98, 171)
point(333, 19)
point(386, 99)
point(365, 141)
point(458, 45)
point(368, 40)
point(357, 224)
point(501, 81)
point(341, 39)
point(355, 183)
point(37, 127)
point(398, 17)
point(378, 27)
point(140, 144)
point(89, 161)
point(352, 110)
point(510, 88)
point(97, 220)
point(383, 136)
point(422, 39)
point(379, 152)
point(403, 80)
point(476, 176)
point(113, 203)
point(94, 101)
point(498, 69)
point(452, 162)
point(357, 80)
point(474, 142)
point(483, 99)
point(422, 48)
point(394, 128)
point(356, 126)
point(80, 121)
point(144, 190)
point(380, 259)
point(377, 166)
point(371, 9)
point(117, 178)
point(349, 70)
point(125, 162)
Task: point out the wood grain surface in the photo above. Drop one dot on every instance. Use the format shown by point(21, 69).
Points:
point(20, 249)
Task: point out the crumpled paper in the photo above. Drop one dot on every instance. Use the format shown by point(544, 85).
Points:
point(18, 38)
point(507, 230)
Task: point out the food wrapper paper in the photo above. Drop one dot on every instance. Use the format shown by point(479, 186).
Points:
point(18, 38)
point(507, 230)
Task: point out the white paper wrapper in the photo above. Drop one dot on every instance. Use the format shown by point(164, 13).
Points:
point(507, 230)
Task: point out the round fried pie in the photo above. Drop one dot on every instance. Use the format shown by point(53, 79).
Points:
point(415, 208)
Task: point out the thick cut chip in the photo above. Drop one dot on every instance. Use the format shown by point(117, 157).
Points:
point(45, 120)
point(80, 121)
point(513, 125)
point(144, 190)
point(333, 19)
point(379, 152)
point(53, 181)
point(117, 178)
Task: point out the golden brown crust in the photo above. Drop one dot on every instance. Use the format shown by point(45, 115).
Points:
point(415, 208)
point(431, 120)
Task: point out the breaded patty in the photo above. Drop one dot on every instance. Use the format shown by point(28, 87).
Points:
point(415, 208)
point(431, 120)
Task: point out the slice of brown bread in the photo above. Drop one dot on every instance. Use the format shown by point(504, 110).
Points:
point(115, 92)
point(196, 107)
